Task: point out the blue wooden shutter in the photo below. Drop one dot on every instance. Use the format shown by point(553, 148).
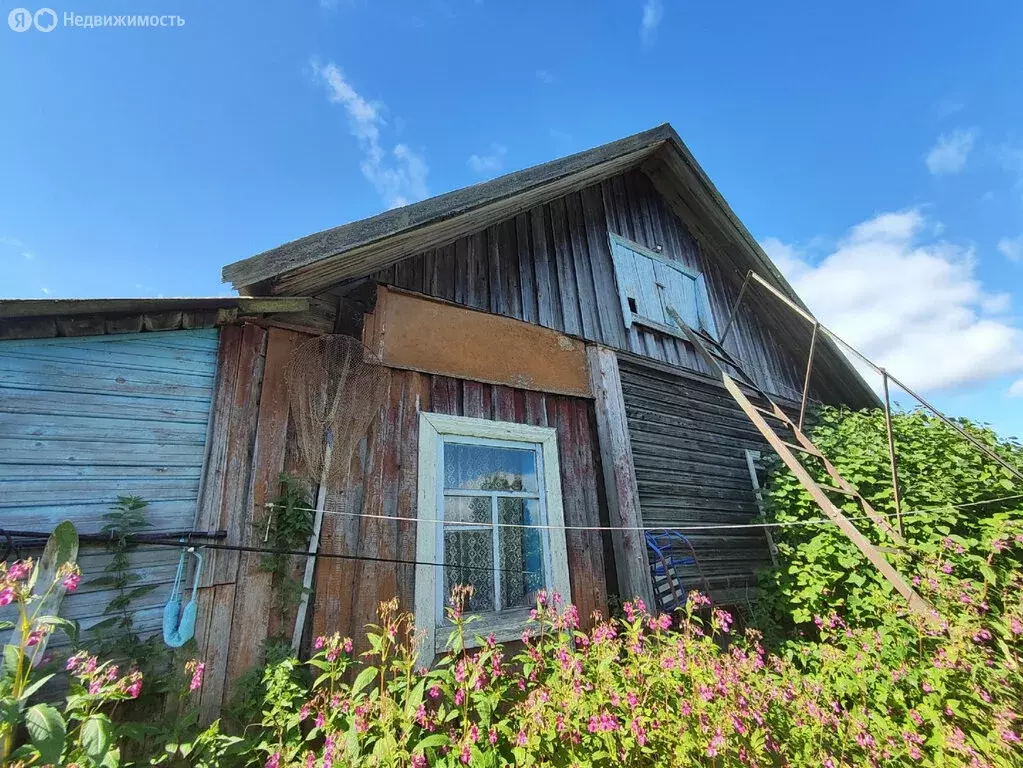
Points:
point(648, 283)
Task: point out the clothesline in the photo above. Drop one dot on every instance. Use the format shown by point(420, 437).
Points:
point(642, 529)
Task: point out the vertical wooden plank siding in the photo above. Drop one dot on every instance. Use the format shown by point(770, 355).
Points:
point(556, 258)
point(229, 492)
point(241, 438)
point(391, 477)
point(84, 420)
point(253, 597)
point(689, 442)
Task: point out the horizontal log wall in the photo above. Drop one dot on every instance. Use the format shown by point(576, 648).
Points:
point(552, 266)
point(689, 442)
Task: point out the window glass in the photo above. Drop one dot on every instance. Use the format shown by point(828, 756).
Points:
point(489, 468)
point(522, 552)
point(474, 551)
point(491, 494)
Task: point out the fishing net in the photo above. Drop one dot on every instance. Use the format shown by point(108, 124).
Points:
point(336, 387)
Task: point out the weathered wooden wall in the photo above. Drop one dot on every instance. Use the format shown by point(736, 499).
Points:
point(85, 420)
point(348, 592)
point(552, 266)
point(689, 440)
point(252, 440)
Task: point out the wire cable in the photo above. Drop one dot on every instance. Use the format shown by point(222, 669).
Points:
point(682, 528)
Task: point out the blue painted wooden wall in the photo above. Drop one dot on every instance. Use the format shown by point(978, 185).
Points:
point(84, 420)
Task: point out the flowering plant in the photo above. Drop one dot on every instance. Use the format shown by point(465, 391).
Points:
point(652, 690)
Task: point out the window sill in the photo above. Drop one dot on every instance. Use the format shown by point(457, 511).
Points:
point(667, 329)
point(504, 626)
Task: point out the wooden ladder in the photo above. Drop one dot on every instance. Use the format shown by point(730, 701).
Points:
point(718, 359)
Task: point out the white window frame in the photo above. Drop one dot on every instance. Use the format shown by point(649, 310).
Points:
point(434, 431)
point(704, 312)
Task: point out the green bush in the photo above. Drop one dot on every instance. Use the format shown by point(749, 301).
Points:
point(823, 572)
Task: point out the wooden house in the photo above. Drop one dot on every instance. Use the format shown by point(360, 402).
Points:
point(524, 331)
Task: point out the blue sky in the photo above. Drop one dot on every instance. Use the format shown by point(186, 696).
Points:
point(876, 150)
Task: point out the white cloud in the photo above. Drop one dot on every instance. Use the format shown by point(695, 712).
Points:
point(400, 175)
point(488, 165)
point(1016, 390)
point(45, 291)
point(544, 76)
point(1011, 248)
point(910, 302)
point(28, 255)
point(653, 12)
point(949, 154)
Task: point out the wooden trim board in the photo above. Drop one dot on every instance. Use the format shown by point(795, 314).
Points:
point(414, 332)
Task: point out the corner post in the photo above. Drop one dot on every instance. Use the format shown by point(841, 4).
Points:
point(622, 491)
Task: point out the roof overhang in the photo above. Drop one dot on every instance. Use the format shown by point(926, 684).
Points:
point(358, 249)
point(48, 318)
point(254, 305)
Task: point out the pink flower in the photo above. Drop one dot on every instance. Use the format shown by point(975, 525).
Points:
point(20, 570)
point(197, 675)
point(1016, 626)
point(418, 761)
point(274, 761)
point(135, 686)
point(521, 739)
point(319, 721)
point(71, 581)
point(492, 736)
point(6, 596)
point(459, 697)
point(466, 755)
point(319, 643)
point(347, 645)
point(35, 636)
point(434, 691)
point(715, 744)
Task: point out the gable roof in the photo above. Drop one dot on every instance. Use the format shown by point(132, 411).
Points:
point(360, 248)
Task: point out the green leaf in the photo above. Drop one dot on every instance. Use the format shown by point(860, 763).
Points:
point(138, 592)
point(46, 729)
point(61, 547)
point(69, 628)
point(97, 732)
point(364, 679)
point(35, 686)
point(10, 711)
point(431, 741)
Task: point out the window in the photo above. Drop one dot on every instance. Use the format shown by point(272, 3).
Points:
point(649, 283)
point(490, 516)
